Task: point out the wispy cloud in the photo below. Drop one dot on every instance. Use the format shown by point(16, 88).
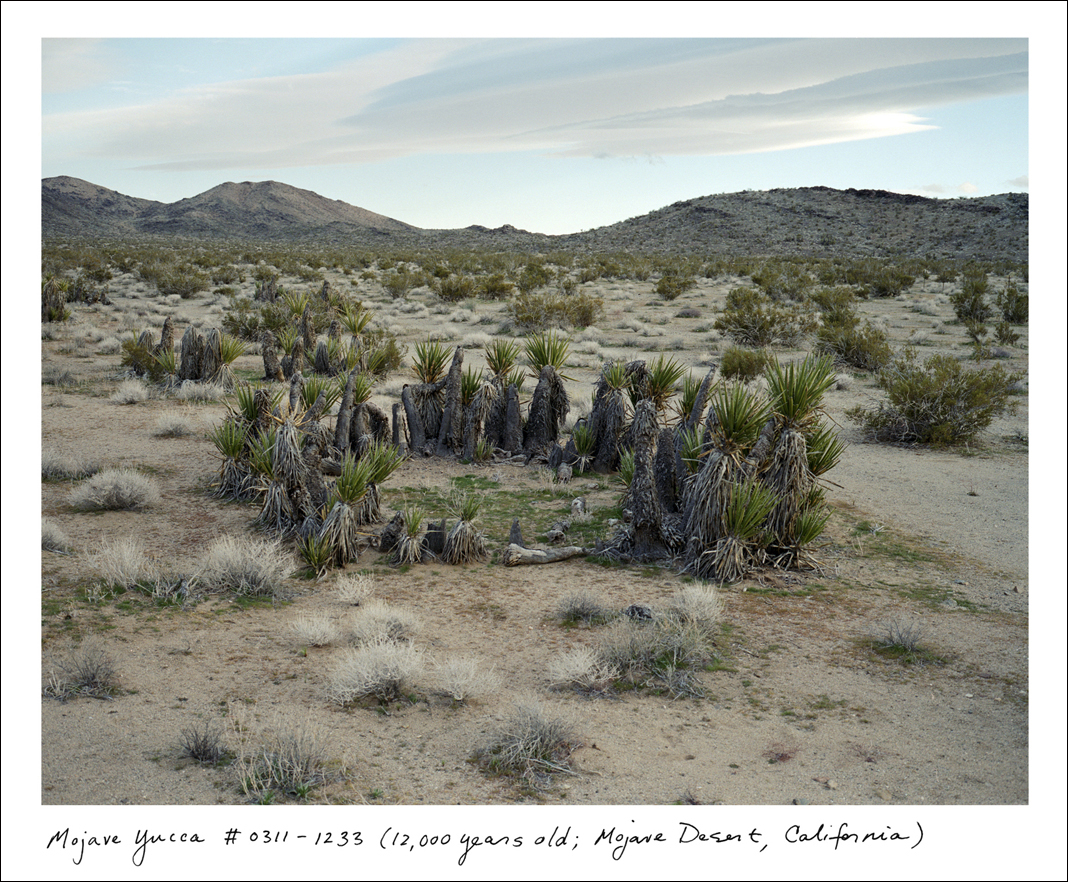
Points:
point(574, 98)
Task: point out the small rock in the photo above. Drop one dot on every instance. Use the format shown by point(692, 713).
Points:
point(798, 801)
point(884, 795)
point(832, 785)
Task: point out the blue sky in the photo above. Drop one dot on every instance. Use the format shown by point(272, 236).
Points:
point(548, 134)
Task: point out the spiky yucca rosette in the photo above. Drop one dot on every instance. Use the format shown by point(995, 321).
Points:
point(341, 523)
point(409, 546)
point(465, 543)
point(235, 477)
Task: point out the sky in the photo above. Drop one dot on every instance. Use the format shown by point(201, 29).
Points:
point(549, 134)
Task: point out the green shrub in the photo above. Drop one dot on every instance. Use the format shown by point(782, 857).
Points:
point(1013, 305)
point(743, 364)
point(671, 285)
point(539, 311)
point(865, 348)
point(938, 402)
point(454, 288)
point(969, 303)
point(752, 319)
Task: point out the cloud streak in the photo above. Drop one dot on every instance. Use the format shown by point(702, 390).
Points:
point(568, 98)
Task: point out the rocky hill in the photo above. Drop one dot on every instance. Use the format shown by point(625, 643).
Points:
point(817, 221)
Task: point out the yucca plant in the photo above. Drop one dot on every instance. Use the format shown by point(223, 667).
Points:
point(318, 553)
point(166, 370)
point(501, 356)
point(661, 379)
point(430, 362)
point(465, 543)
point(470, 383)
point(349, 492)
point(286, 337)
point(748, 505)
point(687, 400)
point(355, 318)
point(314, 386)
point(545, 348)
point(824, 449)
point(296, 302)
point(382, 461)
point(409, 546)
point(584, 446)
point(229, 349)
point(234, 476)
point(796, 393)
point(691, 448)
point(736, 419)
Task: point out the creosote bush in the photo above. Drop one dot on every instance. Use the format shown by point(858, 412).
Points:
point(115, 489)
point(937, 402)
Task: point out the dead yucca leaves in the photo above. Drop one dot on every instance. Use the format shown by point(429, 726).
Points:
point(409, 545)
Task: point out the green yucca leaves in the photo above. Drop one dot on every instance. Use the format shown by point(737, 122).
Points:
point(809, 524)
point(796, 390)
point(663, 375)
point(314, 386)
point(229, 438)
point(351, 484)
point(693, 442)
point(501, 356)
point(748, 504)
point(355, 318)
point(470, 383)
point(549, 347)
point(824, 449)
point(740, 415)
point(382, 461)
point(615, 375)
point(431, 358)
point(230, 348)
point(286, 338)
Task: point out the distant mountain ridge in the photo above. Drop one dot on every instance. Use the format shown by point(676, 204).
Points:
point(815, 221)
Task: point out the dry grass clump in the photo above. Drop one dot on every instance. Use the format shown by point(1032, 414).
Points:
point(173, 424)
point(531, 745)
point(87, 670)
point(383, 669)
point(56, 466)
point(465, 679)
point(190, 390)
point(115, 490)
point(583, 669)
point(376, 621)
point(123, 564)
point(355, 589)
point(663, 654)
point(314, 629)
point(290, 759)
point(582, 607)
point(245, 566)
point(698, 605)
point(130, 392)
point(53, 538)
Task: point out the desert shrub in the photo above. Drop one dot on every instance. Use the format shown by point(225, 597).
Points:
point(383, 669)
point(582, 607)
point(584, 670)
point(465, 679)
point(87, 670)
point(540, 311)
point(454, 287)
point(355, 589)
point(203, 742)
point(314, 629)
point(173, 424)
point(673, 284)
point(245, 566)
point(130, 392)
point(495, 287)
point(661, 654)
point(115, 489)
point(938, 402)
point(751, 318)
point(185, 281)
point(56, 466)
point(377, 621)
point(123, 563)
point(698, 605)
point(1013, 305)
point(52, 537)
point(969, 303)
point(530, 745)
point(191, 390)
point(291, 759)
point(743, 364)
point(864, 347)
point(1005, 335)
point(54, 300)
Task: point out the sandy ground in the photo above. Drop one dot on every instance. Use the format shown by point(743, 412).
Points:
point(802, 710)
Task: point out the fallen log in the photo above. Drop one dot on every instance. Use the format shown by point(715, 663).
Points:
point(516, 555)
